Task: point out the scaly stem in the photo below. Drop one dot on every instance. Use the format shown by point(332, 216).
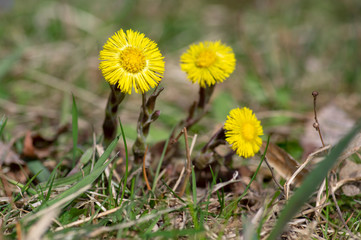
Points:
point(110, 121)
point(147, 115)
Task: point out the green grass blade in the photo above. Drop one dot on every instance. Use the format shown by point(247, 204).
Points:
point(194, 188)
point(193, 207)
point(126, 164)
point(70, 179)
point(174, 234)
point(171, 190)
point(229, 209)
point(25, 187)
point(160, 163)
point(50, 187)
point(74, 129)
point(3, 122)
point(313, 180)
point(91, 177)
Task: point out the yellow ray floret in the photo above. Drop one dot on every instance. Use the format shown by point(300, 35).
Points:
point(131, 60)
point(208, 63)
point(242, 132)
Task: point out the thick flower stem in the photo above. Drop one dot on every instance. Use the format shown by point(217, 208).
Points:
point(110, 120)
point(147, 115)
point(197, 110)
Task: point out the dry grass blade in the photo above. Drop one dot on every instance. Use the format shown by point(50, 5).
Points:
point(313, 180)
point(57, 204)
point(223, 184)
point(134, 222)
point(301, 169)
point(77, 223)
point(37, 230)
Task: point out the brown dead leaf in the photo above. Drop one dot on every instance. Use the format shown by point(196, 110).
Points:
point(8, 156)
point(350, 170)
point(11, 165)
point(36, 146)
point(29, 149)
point(284, 164)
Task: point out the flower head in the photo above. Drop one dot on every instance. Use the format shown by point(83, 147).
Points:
point(243, 131)
point(208, 63)
point(131, 60)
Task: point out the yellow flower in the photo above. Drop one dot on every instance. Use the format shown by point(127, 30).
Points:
point(208, 63)
point(243, 131)
point(131, 60)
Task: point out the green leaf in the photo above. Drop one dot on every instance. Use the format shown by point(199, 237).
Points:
point(3, 122)
point(87, 155)
point(37, 167)
point(311, 183)
point(75, 129)
point(88, 178)
point(71, 215)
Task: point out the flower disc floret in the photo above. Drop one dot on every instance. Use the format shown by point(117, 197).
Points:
point(208, 63)
point(131, 60)
point(242, 132)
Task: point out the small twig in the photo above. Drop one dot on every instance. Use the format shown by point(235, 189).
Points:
point(316, 125)
point(339, 210)
point(189, 165)
point(320, 200)
point(183, 169)
point(273, 176)
point(81, 221)
point(350, 217)
point(98, 231)
point(174, 140)
point(144, 171)
point(301, 167)
point(217, 135)
point(179, 180)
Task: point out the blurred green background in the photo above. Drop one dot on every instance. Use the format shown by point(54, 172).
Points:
point(284, 50)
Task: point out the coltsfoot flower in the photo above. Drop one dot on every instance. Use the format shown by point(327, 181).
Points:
point(129, 59)
point(208, 63)
point(242, 132)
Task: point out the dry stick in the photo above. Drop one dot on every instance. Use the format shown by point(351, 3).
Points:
point(339, 211)
point(349, 217)
point(300, 168)
point(144, 171)
point(189, 167)
point(19, 233)
point(273, 176)
point(179, 180)
point(183, 169)
point(78, 222)
point(174, 140)
point(316, 125)
point(128, 224)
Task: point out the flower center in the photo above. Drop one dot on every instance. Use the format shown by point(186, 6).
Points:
point(206, 58)
point(248, 131)
point(132, 60)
